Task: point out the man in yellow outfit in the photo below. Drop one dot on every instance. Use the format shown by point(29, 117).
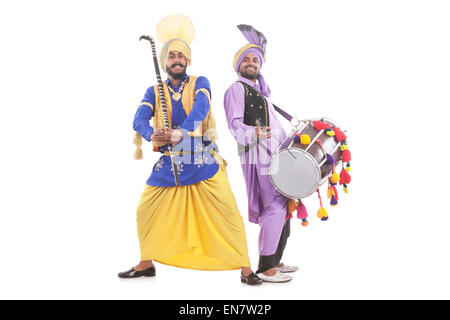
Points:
point(197, 224)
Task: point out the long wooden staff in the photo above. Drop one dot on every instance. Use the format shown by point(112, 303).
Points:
point(163, 106)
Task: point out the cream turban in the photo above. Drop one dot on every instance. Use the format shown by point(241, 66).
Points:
point(176, 33)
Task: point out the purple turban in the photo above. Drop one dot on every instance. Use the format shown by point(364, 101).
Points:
point(257, 46)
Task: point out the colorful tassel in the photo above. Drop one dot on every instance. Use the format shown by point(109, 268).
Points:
point(345, 177)
point(330, 193)
point(301, 211)
point(344, 147)
point(333, 201)
point(292, 205)
point(305, 139)
point(329, 132)
point(335, 192)
point(330, 159)
point(345, 188)
point(346, 156)
point(319, 125)
point(339, 134)
point(334, 177)
point(348, 168)
point(322, 213)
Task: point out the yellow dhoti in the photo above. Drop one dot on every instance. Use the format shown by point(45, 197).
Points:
point(196, 226)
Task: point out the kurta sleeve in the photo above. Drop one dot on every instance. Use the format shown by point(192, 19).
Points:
point(144, 113)
point(234, 103)
point(201, 105)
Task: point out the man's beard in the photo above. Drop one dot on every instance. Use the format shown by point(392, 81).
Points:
point(249, 76)
point(176, 76)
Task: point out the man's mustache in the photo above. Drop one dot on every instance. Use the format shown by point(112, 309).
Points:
point(177, 65)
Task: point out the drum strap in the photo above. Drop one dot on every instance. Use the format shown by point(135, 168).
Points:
point(283, 113)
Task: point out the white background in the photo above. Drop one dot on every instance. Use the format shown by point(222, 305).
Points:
point(73, 72)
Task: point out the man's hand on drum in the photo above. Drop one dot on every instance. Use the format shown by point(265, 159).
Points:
point(263, 133)
point(166, 135)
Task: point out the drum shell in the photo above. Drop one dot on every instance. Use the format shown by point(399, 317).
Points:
point(294, 182)
point(328, 143)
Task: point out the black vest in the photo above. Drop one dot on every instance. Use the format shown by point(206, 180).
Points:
point(256, 112)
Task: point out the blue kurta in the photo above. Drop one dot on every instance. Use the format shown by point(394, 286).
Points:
point(193, 167)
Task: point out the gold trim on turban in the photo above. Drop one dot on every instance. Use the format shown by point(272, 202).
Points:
point(241, 51)
point(174, 45)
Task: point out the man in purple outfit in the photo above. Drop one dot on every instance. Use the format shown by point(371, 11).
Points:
point(253, 122)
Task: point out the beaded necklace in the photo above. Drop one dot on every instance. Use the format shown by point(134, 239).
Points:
point(177, 95)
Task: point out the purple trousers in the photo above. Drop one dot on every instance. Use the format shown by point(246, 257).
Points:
point(266, 206)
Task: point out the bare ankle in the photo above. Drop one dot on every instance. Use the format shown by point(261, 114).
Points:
point(143, 265)
point(246, 271)
point(270, 272)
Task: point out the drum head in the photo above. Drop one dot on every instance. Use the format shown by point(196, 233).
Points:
point(294, 173)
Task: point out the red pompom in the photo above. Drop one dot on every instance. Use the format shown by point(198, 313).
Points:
point(319, 125)
point(346, 156)
point(345, 177)
point(339, 134)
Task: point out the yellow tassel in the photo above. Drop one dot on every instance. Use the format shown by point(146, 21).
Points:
point(330, 133)
point(305, 139)
point(344, 147)
point(322, 213)
point(211, 131)
point(348, 169)
point(330, 193)
point(335, 178)
point(138, 155)
point(137, 140)
point(346, 190)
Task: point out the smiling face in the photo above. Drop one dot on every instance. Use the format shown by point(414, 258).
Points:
point(249, 67)
point(176, 65)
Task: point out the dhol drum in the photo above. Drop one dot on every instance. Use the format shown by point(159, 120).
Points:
point(300, 165)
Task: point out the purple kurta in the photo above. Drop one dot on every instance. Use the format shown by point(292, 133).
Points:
point(266, 206)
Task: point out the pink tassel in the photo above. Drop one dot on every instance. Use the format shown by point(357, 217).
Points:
point(301, 211)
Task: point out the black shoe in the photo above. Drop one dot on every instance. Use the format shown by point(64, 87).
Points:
point(133, 273)
point(252, 279)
